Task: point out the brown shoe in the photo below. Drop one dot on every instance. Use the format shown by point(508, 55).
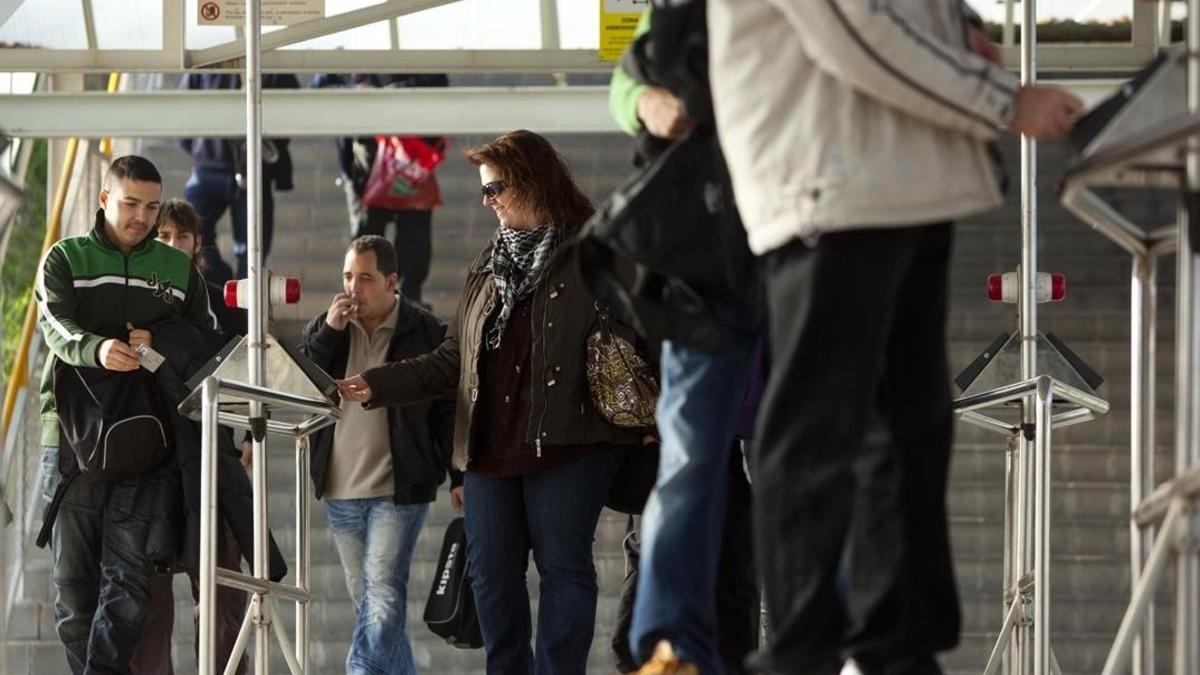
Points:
point(663, 662)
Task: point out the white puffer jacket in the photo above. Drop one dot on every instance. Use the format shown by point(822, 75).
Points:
point(851, 114)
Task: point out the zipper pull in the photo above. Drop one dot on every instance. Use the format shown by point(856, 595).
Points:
point(538, 443)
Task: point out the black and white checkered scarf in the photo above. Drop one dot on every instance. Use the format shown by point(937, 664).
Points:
point(518, 265)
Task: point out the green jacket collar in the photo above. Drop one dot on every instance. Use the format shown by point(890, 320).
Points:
point(100, 236)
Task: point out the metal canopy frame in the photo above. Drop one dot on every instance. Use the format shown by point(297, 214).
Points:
point(173, 56)
point(1023, 645)
point(1153, 142)
point(263, 395)
point(261, 619)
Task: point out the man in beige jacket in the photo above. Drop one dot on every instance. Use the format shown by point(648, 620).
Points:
point(856, 131)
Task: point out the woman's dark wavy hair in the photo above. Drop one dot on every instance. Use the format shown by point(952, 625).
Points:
point(186, 219)
point(538, 176)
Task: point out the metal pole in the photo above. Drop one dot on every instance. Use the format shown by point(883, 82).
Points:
point(1143, 591)
point(1021, 556)
point(256, 312)
point(1008, 39)
point(1028, 295)
point(243, 637)
point(208, 525)
point(1184, 328)
point(549, 16)
point(1041, 547)
point(302, 549)
point(1143, 314)
point(1005, 638)
point(1028, 312)
point(256, 315)
point(1187, 623)
point(1011, 571)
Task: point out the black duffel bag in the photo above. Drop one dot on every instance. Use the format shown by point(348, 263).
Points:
point(450, 609)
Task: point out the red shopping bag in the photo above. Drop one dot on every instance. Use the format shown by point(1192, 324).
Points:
point(402, 175)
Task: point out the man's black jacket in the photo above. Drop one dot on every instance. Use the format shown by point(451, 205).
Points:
point(422, 435)
point(175, 538)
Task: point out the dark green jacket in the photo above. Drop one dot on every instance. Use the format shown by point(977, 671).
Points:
point(87, 290)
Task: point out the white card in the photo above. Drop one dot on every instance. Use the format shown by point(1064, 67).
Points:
point(149, 358)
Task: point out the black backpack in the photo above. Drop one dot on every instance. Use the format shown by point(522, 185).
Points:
point(450, 610)
point(115, 423)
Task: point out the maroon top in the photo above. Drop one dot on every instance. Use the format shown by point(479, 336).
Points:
point(503, 408)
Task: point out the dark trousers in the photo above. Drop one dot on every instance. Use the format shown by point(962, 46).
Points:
point(554, 514)
point(152, 656)
point(212, 191)
point(737, 601)
point(857, 325)
point(414, 244)
point(101, 570)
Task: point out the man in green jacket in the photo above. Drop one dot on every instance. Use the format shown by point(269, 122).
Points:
point(97, 295)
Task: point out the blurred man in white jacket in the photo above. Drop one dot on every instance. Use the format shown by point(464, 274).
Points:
point(856, 131)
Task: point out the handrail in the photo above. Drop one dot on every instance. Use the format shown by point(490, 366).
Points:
point(114, 83)
point(19, 373)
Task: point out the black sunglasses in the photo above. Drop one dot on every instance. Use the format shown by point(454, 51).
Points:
point(493, 189)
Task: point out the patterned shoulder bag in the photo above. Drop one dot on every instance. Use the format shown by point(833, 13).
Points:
point(621, 382)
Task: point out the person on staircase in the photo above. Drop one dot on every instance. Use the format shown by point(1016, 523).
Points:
point(179, 226)
point(539, 458)
point(856, 132)
point(378, 470)
point(96, 293)
point(696, 605)
point(356, 158)
point(218, 180)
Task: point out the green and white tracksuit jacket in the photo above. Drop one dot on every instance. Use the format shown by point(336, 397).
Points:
point(87, 290)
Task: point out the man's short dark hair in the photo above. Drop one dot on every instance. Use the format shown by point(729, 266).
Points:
point(385, 253)
point(131, 167)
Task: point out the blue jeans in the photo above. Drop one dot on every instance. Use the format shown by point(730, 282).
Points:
point(554, 514)
point(101, 571)
point(375, 540)
point(698, 409)
point(212, 191)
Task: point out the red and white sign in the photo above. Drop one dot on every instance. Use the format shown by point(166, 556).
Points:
point(209, 11)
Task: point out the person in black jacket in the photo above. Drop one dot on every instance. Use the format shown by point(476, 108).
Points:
point(179, 226)
point(356, 157)
point(218, 179)
point(377, 470)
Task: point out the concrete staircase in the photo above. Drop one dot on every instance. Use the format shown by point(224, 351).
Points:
point(1090, 584)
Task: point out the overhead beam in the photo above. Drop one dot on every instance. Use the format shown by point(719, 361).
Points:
point(317, 28)
point(1059, 58)
point(1093, 56)
point(307, 112)
point(311, 61)
point(337, 112)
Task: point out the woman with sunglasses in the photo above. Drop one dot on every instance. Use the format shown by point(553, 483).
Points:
point(539, 460)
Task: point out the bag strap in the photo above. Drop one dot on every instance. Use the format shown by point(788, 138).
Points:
point(52, 510)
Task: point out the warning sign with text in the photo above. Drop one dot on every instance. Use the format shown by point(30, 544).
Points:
point(618, 21)
point(274, 12)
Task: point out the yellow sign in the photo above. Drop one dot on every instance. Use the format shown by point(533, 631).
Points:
point(618, 21)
